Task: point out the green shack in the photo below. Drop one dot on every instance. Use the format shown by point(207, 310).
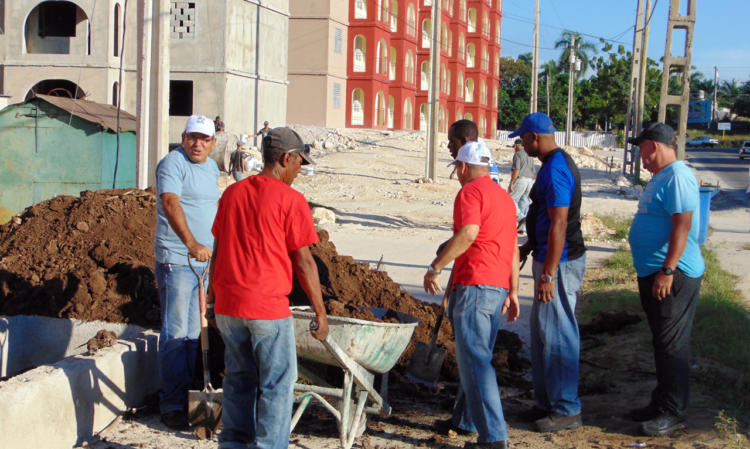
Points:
point(53, 146)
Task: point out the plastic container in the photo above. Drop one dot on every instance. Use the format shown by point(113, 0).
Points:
point(706, 193)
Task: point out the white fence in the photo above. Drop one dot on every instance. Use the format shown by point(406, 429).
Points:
point(578, 139)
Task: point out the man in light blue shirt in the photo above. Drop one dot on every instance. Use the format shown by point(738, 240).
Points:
point(667, 258)
point(187, 195)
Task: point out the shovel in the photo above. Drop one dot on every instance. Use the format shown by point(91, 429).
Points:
point(427, 359)
point(204, 407)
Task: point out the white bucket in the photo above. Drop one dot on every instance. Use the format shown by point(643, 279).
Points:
point(309, 170)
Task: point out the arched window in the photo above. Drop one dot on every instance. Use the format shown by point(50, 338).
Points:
point(360, 51)
point(424, 115)
point(394, 15)
point(471, 52)
point(381, 64)
point(462, 10)
point(411, 20)
point(409, 67)
point(458, 114)
point(443, 78)
point(425, 80)
point(358, 112)
point(485, 58)
point(450, 8)
point(115, 90)
point(407, 114)
point(461, 46)
point(391, 105)
point(441, 119)
point(482, 125)
point(116, 23)
point(497, 65)
point(56, 27)
point(385, 14)
point(482, 92)
point(469, 116)
point(469, 90)
point(426, 33)
point(360, 9)
point(471, 27)
point(392, 65)
point(380, 10)
point(497, 31)
point(380, 109)
point(448, 83)
point(444, 38)
point(460, 85)
point(494, 97)
point(450, 43)
point(427, 2)
point(486, 25)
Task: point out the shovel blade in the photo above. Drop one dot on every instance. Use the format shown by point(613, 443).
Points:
point(204, 410)
point(425, 364)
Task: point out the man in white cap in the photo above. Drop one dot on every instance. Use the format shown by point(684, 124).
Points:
point(187, 194)
point(484, 287)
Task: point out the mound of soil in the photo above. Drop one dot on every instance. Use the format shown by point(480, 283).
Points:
point(91, 258)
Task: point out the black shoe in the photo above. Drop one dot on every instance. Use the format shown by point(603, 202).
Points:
point(444, 426)
point(493, 445)
point(644, 413)
point(664, 424)
point(556, 421)
point(176, 420)
point(532, 414)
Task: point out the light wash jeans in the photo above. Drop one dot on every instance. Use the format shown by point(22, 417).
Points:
point(261, 368)
point(555, 343)
point(520, 195)
point(475, 314)
point(180, 329)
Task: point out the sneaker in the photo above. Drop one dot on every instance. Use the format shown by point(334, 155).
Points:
point(646, 413)
point(493, 445)
point(445, 426)
point(664, 424)
point(532, 414)
point(556, 421)
point(175, 420)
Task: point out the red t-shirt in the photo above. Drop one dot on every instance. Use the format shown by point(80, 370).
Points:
point(259, 222)
point(488, 260)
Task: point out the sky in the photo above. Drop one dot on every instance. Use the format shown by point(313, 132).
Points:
point(720, 39)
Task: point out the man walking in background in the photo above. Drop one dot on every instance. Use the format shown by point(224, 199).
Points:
point(264, 227)
point(521, 178)
point(667, 258)
point(187, 193)
point(556, 242)
point(485, 286)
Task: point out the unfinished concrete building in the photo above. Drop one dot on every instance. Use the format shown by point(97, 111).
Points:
point(228, 58)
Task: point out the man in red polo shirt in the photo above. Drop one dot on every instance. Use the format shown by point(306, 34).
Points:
point(262, 231)
point(485, 286)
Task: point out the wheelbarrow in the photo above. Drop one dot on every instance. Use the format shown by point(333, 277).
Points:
point(361, 349)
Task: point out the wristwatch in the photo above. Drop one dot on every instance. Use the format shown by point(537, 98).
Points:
point(431, 270)
point(546, 278)
point(668, 271)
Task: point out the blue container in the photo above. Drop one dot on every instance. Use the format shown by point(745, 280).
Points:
point(706, 193)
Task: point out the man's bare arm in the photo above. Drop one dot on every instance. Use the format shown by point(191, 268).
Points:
point(677, 242)
point(307, 274)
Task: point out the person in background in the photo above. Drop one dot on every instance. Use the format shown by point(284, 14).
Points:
point(667, 258)
point(218, 124)
point(187, 193)
point(237, 160)
point(263, 131)
point(521, 179)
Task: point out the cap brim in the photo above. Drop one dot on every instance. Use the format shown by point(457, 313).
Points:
point(634, 141)
point(306, 158)
point(515, 133)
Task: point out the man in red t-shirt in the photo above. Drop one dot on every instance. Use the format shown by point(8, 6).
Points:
point(262, 231)
point(485, 286)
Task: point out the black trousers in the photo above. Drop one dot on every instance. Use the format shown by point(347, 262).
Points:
point(671, 322)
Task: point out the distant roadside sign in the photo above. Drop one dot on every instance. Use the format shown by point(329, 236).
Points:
point(724, 126)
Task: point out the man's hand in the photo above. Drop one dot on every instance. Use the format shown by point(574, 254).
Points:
point(321, 332)
point(546, 291)
point(201, 253)
point(511, 306)
point(432, 283)
point(662, 286)
point(510, 187)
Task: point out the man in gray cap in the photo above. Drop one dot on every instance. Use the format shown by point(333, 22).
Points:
point(521, 177)
point(667, 258)
point(263, 227)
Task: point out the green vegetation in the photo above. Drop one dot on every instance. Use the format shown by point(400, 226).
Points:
point(621, 225)
point(727, 428)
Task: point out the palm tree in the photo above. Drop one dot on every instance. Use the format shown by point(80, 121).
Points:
point(583, 50)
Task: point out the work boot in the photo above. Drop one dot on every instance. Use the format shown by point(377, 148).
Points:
point(532, 414)
point(644, 413)
point(664, 424)
point(175, 420)
point(444, 426)
point(492, 445)
point(556, 421)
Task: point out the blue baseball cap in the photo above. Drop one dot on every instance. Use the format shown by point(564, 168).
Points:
point(538, 122)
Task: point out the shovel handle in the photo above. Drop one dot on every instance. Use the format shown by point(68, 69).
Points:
point(204, 322)
point(444, 306)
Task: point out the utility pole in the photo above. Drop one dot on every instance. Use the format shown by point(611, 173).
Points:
point(535, 64)
point(715, 105)
point(547, 83)
point(642, 85)
point(631, 125)
point(433, 95)
point(571, 78)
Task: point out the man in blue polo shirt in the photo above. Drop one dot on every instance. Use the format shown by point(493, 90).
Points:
point(187, 195)
point(556, 242)
point(667, 258)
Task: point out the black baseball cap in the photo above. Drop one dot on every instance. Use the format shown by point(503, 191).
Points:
point(656, 131)
point(287, 139)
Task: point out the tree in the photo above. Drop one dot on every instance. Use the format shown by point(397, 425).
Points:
point(515, 91)
point(583, 51)
point(728, 92)
point(742, 102)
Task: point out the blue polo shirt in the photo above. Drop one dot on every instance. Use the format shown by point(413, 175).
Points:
point(673, 190)
point(558, 184)
point(198, 189)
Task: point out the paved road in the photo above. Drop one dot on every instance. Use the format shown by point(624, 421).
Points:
point(720, 164)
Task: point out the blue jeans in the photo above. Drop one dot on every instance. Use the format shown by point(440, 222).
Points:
point(180, 329)
point(261, 368)
point(475, 314)
point(555, 343)
point(520, 195)
point(238, 175)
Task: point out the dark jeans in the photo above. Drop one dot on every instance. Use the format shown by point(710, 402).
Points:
point(671, 322)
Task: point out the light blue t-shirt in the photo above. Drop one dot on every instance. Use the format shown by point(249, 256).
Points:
point(673, 190)
point(198, 189)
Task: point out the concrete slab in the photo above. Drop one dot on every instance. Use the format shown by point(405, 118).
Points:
point(63, 403)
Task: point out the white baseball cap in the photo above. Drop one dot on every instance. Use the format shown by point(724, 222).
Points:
point(474, 153)
point(200, 124)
